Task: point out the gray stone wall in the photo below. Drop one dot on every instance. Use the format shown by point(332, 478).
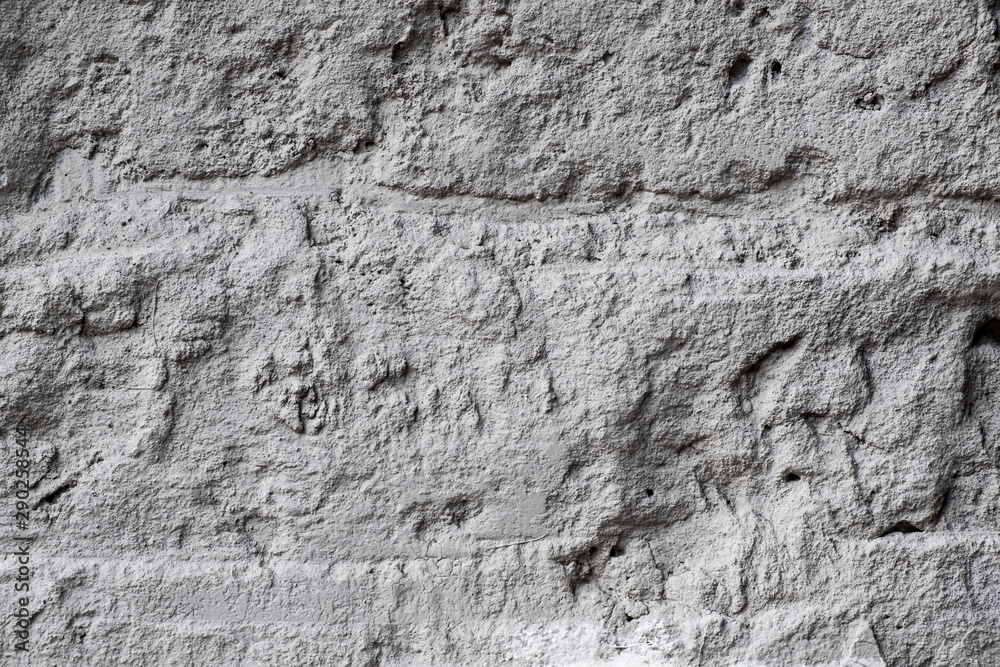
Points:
point(478, 332)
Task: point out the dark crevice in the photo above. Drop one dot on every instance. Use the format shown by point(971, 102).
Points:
point(738, 70)
point(55, 494)
point(775, 70)
point(904, 527)
point(869, 378)
point(987, 333)
point(447, 15)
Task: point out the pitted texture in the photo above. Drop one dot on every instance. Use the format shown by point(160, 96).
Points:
point(503, 333)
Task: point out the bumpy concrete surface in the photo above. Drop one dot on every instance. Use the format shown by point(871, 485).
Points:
point(482, 332)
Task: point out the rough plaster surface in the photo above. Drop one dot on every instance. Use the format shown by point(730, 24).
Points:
point(482, 332)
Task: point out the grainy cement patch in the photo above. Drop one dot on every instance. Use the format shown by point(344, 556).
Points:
point(477, 332)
